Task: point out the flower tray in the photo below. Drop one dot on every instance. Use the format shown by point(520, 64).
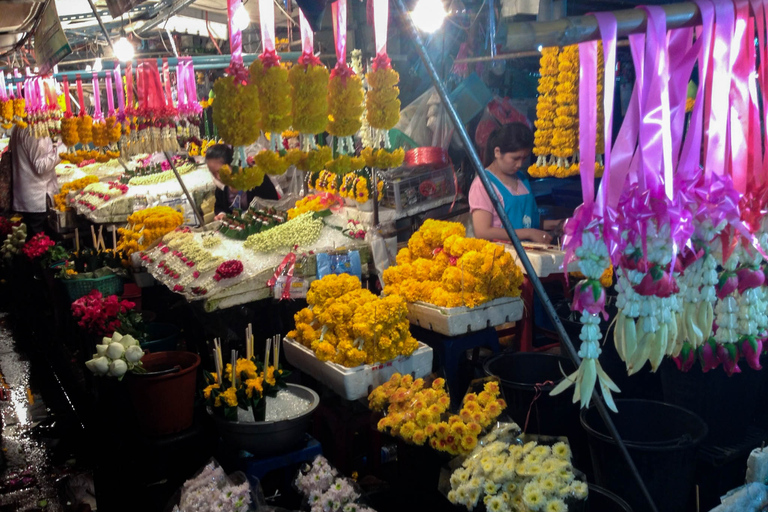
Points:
point(358, 382)
point(107, 285)
point(462, 320)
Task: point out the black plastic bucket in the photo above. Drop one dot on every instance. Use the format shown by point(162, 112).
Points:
point(662, 440)
point(726, 404)
point(602, 500)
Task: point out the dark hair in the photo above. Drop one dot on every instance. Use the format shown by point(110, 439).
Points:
point(220, 152)
point(508, 138)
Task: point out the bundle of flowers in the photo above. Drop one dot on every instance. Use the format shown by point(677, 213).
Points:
point(19, 112)
point(79, 156)
point(300, 231)
point(313, 203)
point(309, 86)
point(383, 159)
point(6, 113)
point(442, 267)
point(146, 227)
point(236, 113)
point(241, 178)
point(350, 326)
point(252, 381)
point(37, 246)
point(271, 78)
point(325, 490)
point(159, 173)
point(312, 161)
point(104, 316)
point(184, 263)
point(200, 147)
point(69, 134)
point(14, 241)
point(508, 475)
point(60, 199)
point(358, 185)
point(418, 413)
point(97, 194)
point(212, 490)
point(115, 356)
point(242, 224)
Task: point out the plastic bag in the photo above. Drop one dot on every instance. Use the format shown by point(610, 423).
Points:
point(426, 121)
point(293, 188)
point(339, 263)
point(212, 489)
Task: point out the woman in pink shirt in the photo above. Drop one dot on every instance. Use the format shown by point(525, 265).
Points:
point(507, 150)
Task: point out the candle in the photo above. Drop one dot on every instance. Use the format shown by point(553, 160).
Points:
point(114, 238)
point(266, 355)
point(216, 362)
point(275, 344)
point(217, 341)
point(77, 240)
point(93, 238)
point(234, 368)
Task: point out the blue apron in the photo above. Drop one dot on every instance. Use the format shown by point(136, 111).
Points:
point(521, 210)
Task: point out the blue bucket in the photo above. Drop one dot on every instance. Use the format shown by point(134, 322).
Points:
point(161, 337)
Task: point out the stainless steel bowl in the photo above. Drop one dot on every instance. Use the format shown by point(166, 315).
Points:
point(265, 438)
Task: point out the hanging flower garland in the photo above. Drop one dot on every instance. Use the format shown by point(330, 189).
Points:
point(309, 86)
point(236, 112)
point(241, 178)
point(6, 106)
point(381, 101)
point(69, 123)
point(345, 90)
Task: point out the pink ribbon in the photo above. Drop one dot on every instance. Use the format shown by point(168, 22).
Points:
point(739, 96)
point(191, 89)
point(236, 67)
point(307, 43)
point(339, 9)
point(97, 115)
point(3, 92)
point(267, 20)
point(719, 83)
point(119, 92)
point(380, 19)
point(17, 74)
point(110, 98)
point(290, 262)
point(181, 98)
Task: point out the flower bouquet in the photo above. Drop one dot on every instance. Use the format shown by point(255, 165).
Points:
point(103, 316)
point(43, 249)
point(321, 203)
point(509, 474)
point(418, 413)
point(115, 356)
point(325, 490)
point(212, 489)
point(14, 242)
point(245, 382)
point(358, 186)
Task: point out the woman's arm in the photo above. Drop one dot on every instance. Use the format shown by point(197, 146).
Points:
point(553, 225)
point(482, 220)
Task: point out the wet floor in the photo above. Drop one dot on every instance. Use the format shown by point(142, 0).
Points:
point(36, 469)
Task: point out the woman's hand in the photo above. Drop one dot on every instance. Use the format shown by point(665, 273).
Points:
point(538, 236)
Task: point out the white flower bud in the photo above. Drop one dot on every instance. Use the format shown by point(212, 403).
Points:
point(118, 368)
point(133, 354)
point(115, 351)
point(99, 366)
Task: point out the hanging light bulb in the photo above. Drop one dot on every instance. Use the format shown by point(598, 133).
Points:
point(241, 19)
point(428, 15)
point(123, 49)
point(97, 64)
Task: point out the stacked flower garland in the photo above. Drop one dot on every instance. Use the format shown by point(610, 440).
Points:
point(300, 231)
point(417, 413)
point(510, 476)
point(97, 194)
point(60, 199)
point(146, 227)
point(557, 112)
point(442, 267)
point(313, 203)
point(350, 326)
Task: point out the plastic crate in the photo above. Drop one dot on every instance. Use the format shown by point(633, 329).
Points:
point(107, 285)
point(358, 382)
point(406, 187)
point(462, 320)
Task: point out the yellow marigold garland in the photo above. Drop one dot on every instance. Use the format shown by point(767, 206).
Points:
point(100, 135)
point(345, 109)
point(312, 161)
point(309, 86)
point(242, 178)
point(236, 112)
point(382, 103)
point(350, 326)
point(114, 130)
point(383, 159)
point(85, 129)
point(60, 199)
point(6, 114)
point(19, 112)
point(270, 162)
point(275, 97)
point(69, 133)
point(344, 164)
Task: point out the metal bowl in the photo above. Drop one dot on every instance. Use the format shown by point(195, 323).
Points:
point(265, 438)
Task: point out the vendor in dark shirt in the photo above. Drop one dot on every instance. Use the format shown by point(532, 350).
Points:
point(228, 198)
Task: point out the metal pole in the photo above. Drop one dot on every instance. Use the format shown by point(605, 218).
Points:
point(101, 24)
point(198, 212)
point(516, 55)
point(542, 294)
point(529, 35)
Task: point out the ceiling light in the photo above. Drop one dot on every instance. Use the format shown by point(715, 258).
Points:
point(241, 19)
point(123, 49)
point(428, 15)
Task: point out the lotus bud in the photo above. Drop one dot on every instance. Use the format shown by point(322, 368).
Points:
point(128, 341)
point(106, 341)
point(708, 356)
point(115, 351)
point(99, 366)
point(101, 350)
point(116, 337)
point(727, 284)
point(118, 368)
point(751, 347)
point(728, 354)
point(686, 358)
point(133, 354)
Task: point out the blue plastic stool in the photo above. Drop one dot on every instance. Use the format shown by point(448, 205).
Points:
point(449, 351)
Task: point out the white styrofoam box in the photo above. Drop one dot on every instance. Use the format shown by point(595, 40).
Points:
point(545, 259)
point(462, 320)
point(358, 382)
point(511, 8)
